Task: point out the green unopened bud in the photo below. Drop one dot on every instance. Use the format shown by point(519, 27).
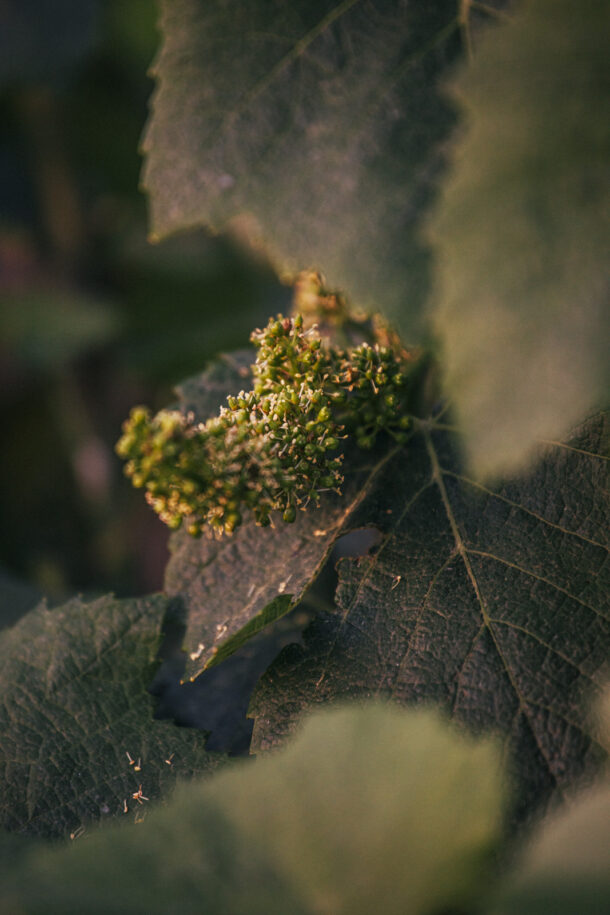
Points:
point(232, 521)
point(125, 445)
point(139, 416)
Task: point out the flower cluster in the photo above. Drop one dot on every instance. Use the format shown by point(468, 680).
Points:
point(375, 381)
point(274, 448)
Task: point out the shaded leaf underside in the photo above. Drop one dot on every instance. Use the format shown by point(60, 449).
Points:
point(323, 122)
point(73, 703)
point(493, 603)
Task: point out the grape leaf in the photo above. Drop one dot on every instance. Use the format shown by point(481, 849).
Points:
point(494, 603)
point(74, 704)
point(321, 121)
point(233, 588)
point(566, 865)
point(370, 809)
point(187, 858)
point(521, 302)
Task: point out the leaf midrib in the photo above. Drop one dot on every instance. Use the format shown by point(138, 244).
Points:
point(487, 620)
point(496, 495)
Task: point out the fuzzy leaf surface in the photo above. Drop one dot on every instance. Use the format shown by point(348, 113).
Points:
point(492, 602)
point(521, 231)
point(233, 588)
point(320, 121)
point(73, 703)
point(407, 836)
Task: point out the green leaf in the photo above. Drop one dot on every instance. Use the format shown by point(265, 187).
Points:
point(494, 603)
point(369, 809)
point(45, 328)
point(234, 587)
point(521, 303)
point(187, 859)
point(566, 866)
point(74, 703)
point(319, 121)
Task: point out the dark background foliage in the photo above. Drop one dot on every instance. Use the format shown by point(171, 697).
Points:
point(92, 318)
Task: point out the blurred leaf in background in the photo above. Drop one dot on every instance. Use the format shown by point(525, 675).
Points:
point(92, 318)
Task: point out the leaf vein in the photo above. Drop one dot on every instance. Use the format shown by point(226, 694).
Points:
point(419, 616)
point(546, 581)
point(372, 564)
point(528, 511)
point(546, 645)
point(295, 52)
point(438, 477)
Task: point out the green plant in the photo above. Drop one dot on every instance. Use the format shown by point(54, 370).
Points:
point(273, 448)
point(479, 460)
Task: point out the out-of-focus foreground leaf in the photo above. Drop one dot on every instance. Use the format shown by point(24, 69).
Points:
point(322, 122)
point(566, 867)
point(368, 809)
point(494, 603)
point(73, 704)
point(522, 232)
